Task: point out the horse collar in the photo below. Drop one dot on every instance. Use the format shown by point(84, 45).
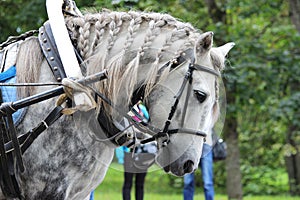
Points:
point(48, 46)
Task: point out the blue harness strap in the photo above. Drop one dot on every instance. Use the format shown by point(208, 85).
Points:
point(9, 94)
point(10, 73)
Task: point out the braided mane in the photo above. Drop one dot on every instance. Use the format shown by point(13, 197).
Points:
point(132, 46)
point(127, 42)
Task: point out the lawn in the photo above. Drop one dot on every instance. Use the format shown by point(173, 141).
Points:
point(157, 187)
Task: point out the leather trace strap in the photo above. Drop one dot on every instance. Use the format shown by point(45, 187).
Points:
point(8, 110)
point(27, 139)
point(8, 183)
point(9, 163)
point(16, 147)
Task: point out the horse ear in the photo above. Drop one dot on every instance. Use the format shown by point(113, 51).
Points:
point(204, 42)
point(225, 48)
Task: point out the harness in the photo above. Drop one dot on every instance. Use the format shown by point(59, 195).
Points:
point(12, 147)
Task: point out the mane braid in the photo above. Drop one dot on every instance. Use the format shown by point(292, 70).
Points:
point(123, 42)
point(84, 33)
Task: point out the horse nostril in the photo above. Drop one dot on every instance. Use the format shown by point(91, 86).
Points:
point(188, 166)
point(167, 168)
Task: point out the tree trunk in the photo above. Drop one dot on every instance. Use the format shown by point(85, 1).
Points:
point(215, 12)
point(295, 13)
point(234, 176)
point(292, 162)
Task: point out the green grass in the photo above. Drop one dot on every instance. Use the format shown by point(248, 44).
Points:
point(157, 187)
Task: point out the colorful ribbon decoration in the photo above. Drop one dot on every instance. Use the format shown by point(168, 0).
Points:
point(139, 112)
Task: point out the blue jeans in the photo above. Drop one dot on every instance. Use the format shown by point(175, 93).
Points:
point(206, 164)
point(92, 195)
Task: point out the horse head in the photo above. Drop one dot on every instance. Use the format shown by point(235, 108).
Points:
point(165, 63)
point(197, 110)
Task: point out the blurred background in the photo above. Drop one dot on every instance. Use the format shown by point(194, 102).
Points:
point(262, 81)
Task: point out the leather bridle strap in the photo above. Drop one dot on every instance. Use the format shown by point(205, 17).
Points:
point(187, 97)
point(174, 131)
point(206, 69)
point(166, 131)
point(188, 78)
point(177, 97)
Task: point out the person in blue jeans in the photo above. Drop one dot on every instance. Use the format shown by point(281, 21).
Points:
point(206, 166)
point(92, 195)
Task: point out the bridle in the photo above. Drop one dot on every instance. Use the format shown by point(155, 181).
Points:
point(166, 132)
point(188, 79)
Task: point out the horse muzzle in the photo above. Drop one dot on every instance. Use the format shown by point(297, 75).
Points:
point(175, 163)
point(188, 167)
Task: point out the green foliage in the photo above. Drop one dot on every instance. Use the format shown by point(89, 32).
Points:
point(265, 67)
point(264, 180)
point(290, 109)
point(20, 16)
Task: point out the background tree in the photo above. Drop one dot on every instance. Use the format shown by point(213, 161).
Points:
point(291, 109)
point(18, 16)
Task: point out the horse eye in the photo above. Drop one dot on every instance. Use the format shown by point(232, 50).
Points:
point(201, 96)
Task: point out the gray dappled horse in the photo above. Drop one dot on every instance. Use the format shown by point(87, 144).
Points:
point(170, 61)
